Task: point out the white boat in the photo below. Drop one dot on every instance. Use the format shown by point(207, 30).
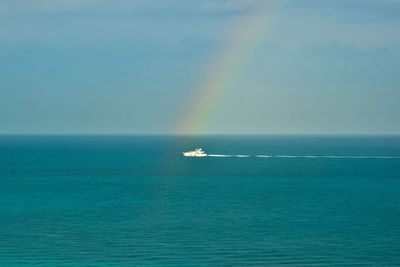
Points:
point(196, 153)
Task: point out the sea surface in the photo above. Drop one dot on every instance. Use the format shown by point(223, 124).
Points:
point(135, 200)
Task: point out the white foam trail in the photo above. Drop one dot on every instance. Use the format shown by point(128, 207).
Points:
point(227, 156)
point(332, 157)
point(304, 156)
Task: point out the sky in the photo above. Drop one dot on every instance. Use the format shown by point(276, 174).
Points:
point(139, 66)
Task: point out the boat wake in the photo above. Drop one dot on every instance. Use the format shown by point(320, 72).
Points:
point(200, 153)
point(326, 156)
point(302, 156)
point(227, 156)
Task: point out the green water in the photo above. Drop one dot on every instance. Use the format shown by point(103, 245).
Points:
point(134, 200)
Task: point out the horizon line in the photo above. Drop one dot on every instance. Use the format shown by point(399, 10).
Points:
point(200, 134)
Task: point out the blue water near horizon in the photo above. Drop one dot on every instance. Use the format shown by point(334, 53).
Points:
point(135, 200)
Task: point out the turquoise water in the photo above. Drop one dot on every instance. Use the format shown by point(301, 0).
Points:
point(134, 200)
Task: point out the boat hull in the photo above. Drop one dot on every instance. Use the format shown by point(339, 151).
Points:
point(188, 154)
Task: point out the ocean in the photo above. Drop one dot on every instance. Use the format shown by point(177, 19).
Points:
point(135, 200)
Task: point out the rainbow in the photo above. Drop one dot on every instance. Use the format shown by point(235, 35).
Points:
point(222, 75)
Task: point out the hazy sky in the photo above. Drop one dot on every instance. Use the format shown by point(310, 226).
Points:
point(127, 67)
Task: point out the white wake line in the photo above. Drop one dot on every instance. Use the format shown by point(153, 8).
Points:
point(304, 156)
point(227, 156)
point(332, 157)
